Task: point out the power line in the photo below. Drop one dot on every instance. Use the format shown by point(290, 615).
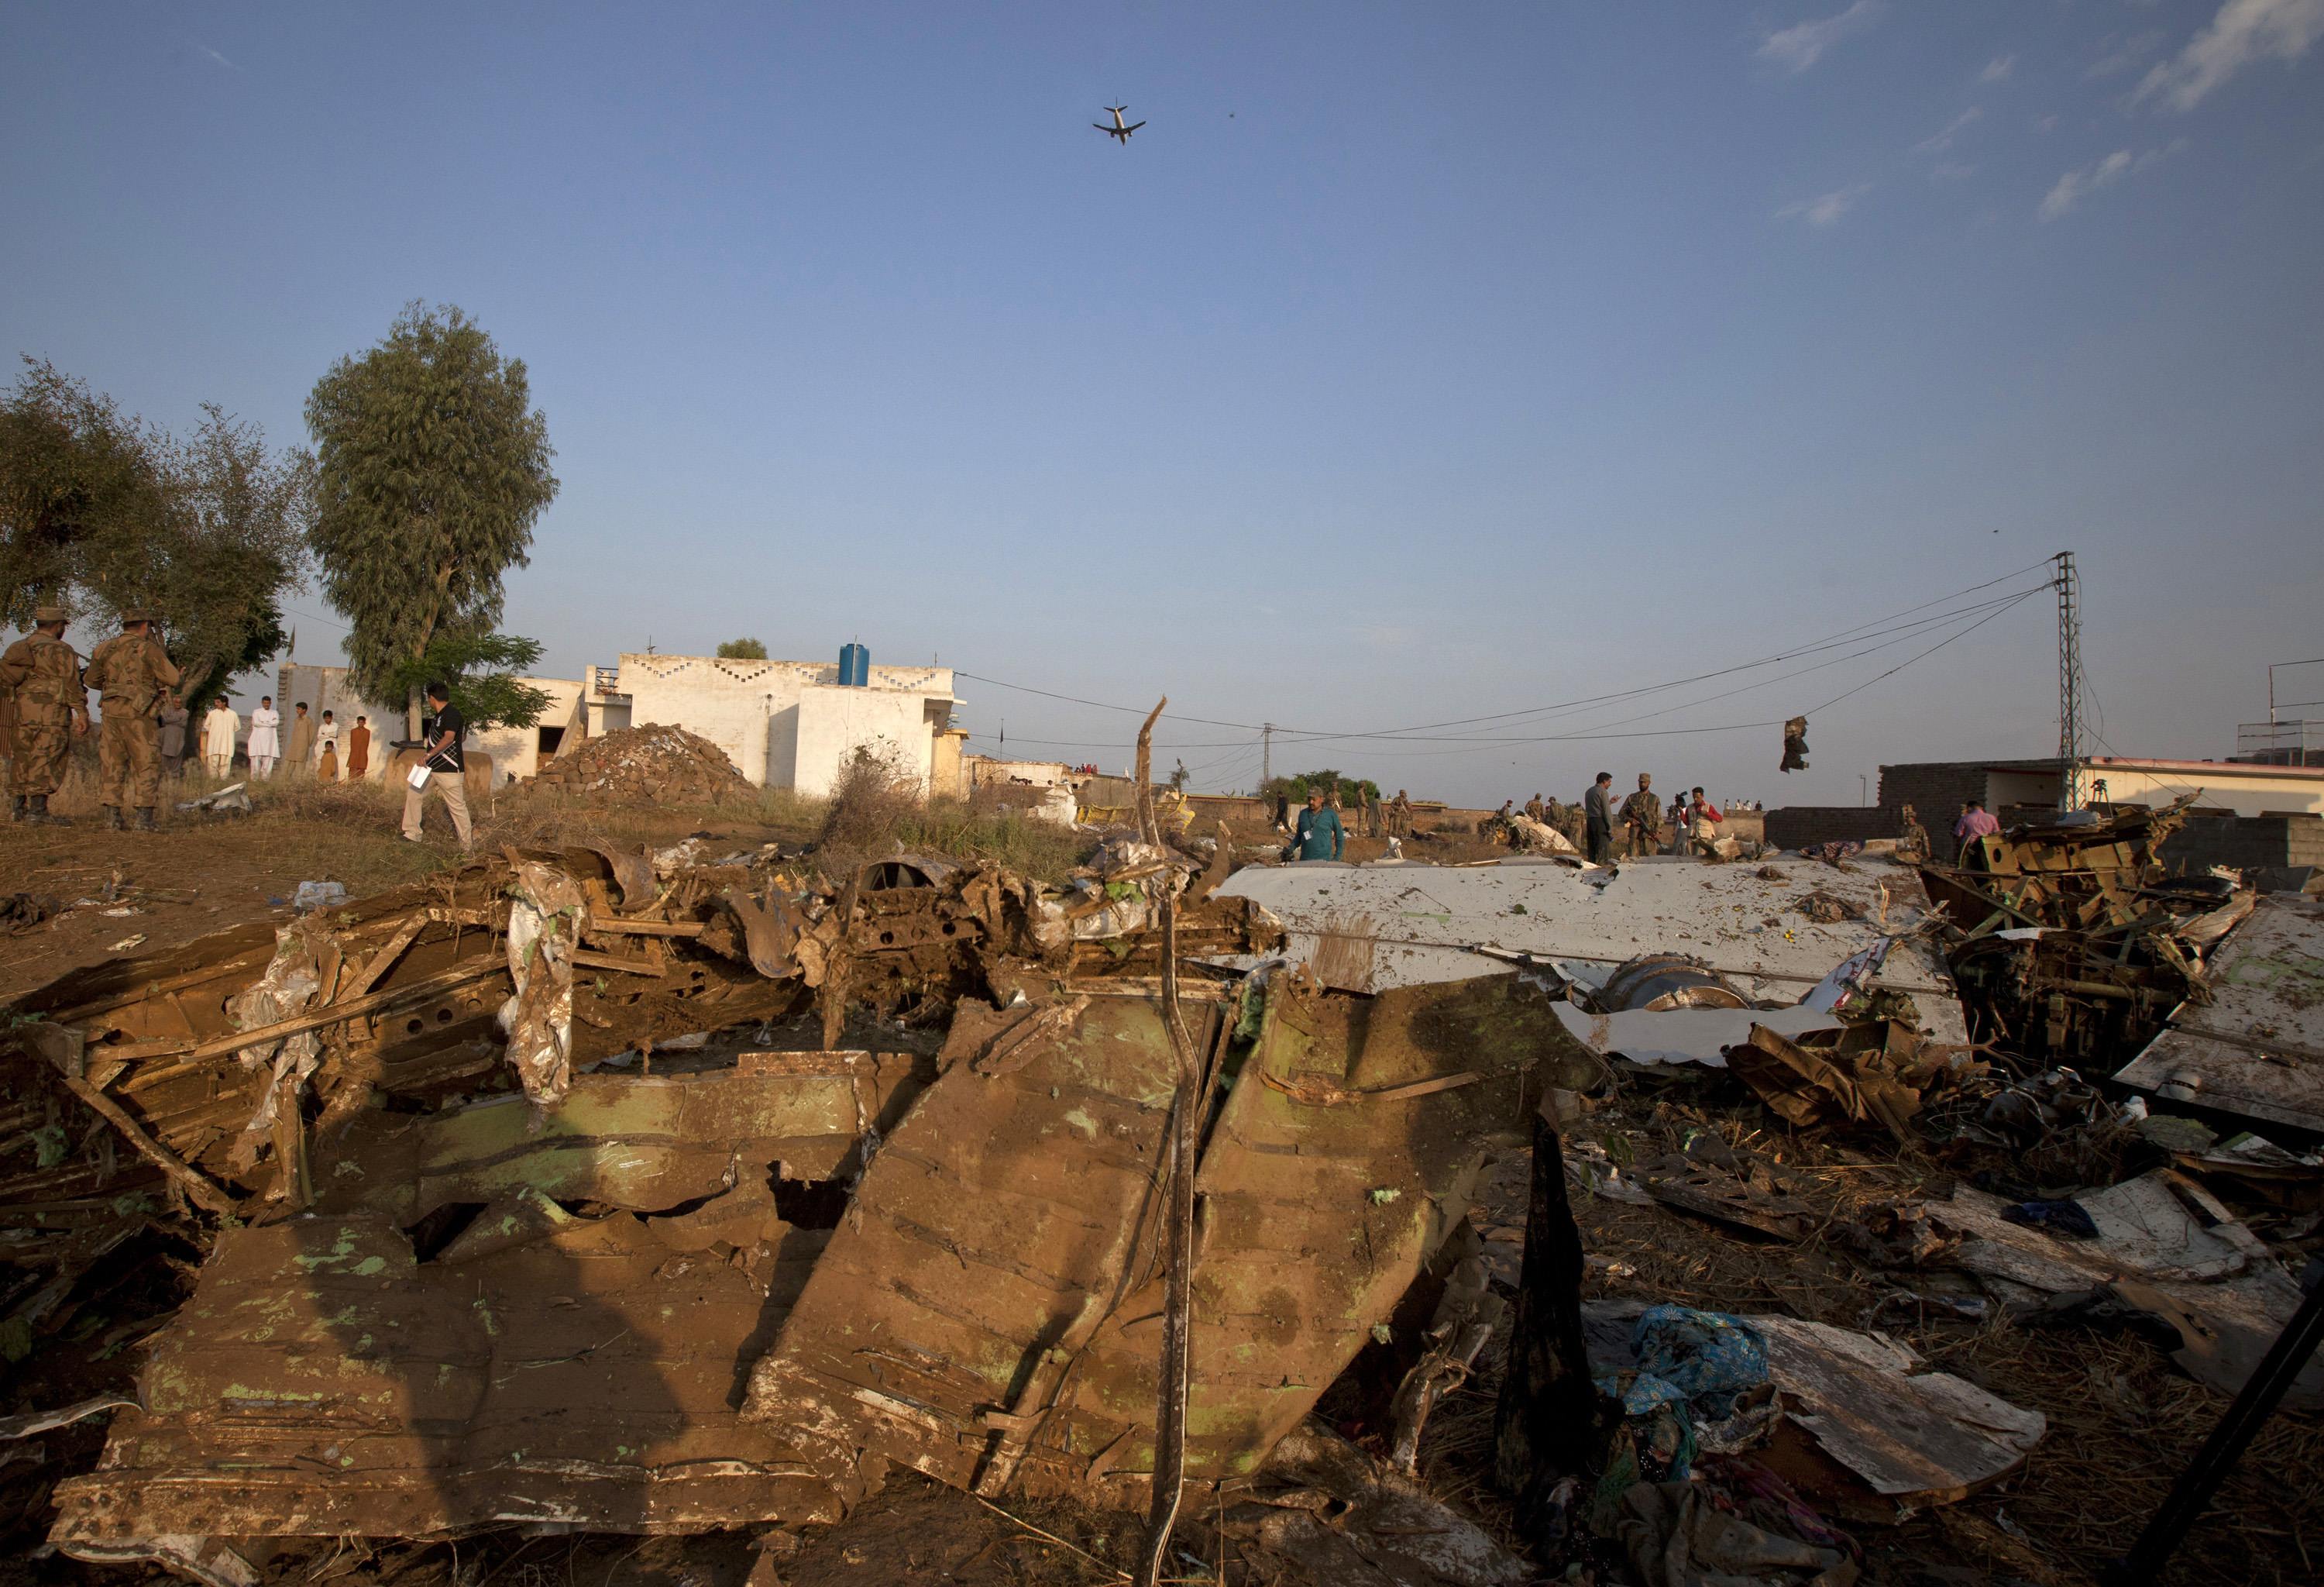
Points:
point(1982, 613)
point(1844, 636)
point(1899, 636)
point(1851, 635)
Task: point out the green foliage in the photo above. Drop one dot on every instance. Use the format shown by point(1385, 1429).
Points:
point(76, 474)
point(481, 672)
point(1296, 787)
point(234, 544)
point(99, 511)
point(742, 649)
point(431, 467)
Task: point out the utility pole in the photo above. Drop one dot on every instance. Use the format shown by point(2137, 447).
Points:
point(2070, 683)
point(1266, 753)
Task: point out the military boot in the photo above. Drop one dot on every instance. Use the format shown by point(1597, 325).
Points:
point(145, 819)
point(41, 812)
point(112, 818)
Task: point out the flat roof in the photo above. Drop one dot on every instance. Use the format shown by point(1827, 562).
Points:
point(2130, 764)
point(2208, 767)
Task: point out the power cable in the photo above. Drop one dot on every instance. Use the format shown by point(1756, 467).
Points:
point(1844, 636)
point(1905, 632)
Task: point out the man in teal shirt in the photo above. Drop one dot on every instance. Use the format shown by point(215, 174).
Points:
point(1320, 836)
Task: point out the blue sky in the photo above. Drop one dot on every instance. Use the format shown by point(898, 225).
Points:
point(1413, 363)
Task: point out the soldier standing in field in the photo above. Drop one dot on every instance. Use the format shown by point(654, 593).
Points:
point(43, 673)
point(1642, 818)
point(133, 677)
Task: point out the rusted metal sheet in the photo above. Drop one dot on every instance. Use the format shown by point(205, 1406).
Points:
point(642, 1143)
point(326, 1381)
point(1006, 1212)
point(2255, 1048)
point(990, 1312)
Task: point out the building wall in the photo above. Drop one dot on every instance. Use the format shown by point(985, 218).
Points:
point(516, 750)
point(2245, 841)
point(2248, 790)
point(834, 721)
point(1796, 826)
point(948, 776)
point(1939, 787)
point(1936, 790)
point(756, 712)
point(325, 689)
point(983, 769)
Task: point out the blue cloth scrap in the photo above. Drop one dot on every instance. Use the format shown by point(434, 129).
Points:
point(1707, 1358)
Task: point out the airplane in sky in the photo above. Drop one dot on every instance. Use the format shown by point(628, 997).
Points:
point(1116, 130)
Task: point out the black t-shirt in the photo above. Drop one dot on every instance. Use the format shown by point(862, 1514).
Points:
point(447, 720)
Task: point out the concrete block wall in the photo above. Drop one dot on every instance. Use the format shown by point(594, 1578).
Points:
point(2245, 841)
point(1796, 826)
point(1936, 791)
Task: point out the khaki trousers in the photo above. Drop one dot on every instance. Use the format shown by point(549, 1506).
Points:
point(129, 763)
point(453, 786)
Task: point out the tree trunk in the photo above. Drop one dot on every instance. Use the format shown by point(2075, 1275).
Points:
point(1551, 1421)
point(411, 712)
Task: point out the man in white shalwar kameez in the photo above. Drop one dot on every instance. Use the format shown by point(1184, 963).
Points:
point(265, 745)
point(219, 725)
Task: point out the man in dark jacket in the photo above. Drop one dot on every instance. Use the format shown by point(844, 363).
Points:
point(1598, 819)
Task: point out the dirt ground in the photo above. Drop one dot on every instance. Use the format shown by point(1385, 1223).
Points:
point(202, 874)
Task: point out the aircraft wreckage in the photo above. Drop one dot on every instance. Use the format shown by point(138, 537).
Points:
point(636, 1193)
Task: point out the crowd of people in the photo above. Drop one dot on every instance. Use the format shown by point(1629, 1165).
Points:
point(147, 733)
point(317, 747)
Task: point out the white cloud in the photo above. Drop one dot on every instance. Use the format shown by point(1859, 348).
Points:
point(2118, 54)
point(1996, 69)
point(1954, 129)
point(2244, 32)
point(194, 49)
point(2075, 185)
point(1825, 209)
point(1801, 45)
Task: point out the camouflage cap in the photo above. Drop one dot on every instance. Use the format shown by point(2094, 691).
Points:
point(51, 614)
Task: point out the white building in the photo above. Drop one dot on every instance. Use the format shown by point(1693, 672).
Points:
point(783, 724)
point(515, 751)
point(789, 724)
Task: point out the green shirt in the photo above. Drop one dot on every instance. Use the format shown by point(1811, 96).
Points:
point(1320, 835)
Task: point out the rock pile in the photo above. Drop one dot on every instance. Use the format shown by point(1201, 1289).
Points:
point(632, 765)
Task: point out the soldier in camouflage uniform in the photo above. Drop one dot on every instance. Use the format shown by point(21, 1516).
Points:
point(1642, 818)
point(43, 673)
point(134, 676)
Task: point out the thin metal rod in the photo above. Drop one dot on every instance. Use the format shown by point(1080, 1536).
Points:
point(1178, 1273)
point(2258, 1400)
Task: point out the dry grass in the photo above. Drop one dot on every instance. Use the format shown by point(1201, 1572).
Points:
point(870, 805)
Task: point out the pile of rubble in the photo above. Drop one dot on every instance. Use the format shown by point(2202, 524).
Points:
point(606, 1191)
point(646, 766)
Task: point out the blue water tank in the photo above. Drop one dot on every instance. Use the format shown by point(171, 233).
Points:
point(854, 666)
